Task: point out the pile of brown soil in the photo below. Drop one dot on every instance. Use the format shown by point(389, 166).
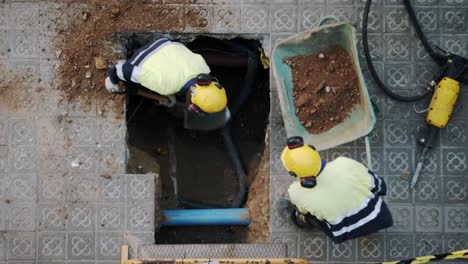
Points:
point(325, 88)
point(86, 46)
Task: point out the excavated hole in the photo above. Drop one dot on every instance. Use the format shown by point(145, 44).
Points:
point(157, 141)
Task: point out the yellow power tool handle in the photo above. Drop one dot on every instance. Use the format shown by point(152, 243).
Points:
point(443, 101)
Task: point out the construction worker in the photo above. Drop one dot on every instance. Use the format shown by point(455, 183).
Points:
point(342, 197)
point(170, 69)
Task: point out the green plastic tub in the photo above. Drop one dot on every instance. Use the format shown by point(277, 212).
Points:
point(360, 122)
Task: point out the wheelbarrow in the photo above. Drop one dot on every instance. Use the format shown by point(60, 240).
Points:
point(361, 120)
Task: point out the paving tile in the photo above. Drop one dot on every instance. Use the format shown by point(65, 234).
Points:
point(81, 216)
point(140, 187)
point(3, 246)
point(423, 73)
point(399, 246)
point(310, 15)
point(398, 161)
point(22, 246)
point(343, 13)
point(313, 246)
point(277, 38)
point(24, 15)
point(455, 219)
point(420, 52)
point(283, 18)
point(371, 248)
point(290, 239)
point(23, 159)
point(276, 166)
point(426, 2)
point(22, 131)
point(280, 216)
point(278, 137)
point(454, 20)
point(4, 131)
point(428, 218)
point(4, 44)
point(376, 18)
point(111, 160)
point(82, 131)
point(399, 133)
point(82, 159)
point(454, 134)
point(461, 108)
point(398, 48)
point(428, 244)
point(51, 188)
point(344, 251)
point(429, 191)
point(454, 160)
point(52, 131)
point(112, 188)
point(335, 153)
point(82, 188)
point(23, 187)
point(428, 18)
point(398, 190)
point(24, 44)
point(455, 190)
point(81, 245)
point(227, 19)
point(22, 216)
point(377, 159)
point(108, 245)
point(51, 245)
point(110, 216)
point(4, 210)
point(454, 242)
point(396, 20)
point(140, 216)
point(397, 75)
point(376, 48)
point(455, 44)
point(255, 18)
point(403, 218)
point(205, 17)
point(4, 11)
point(51, 216)
point(49, 14)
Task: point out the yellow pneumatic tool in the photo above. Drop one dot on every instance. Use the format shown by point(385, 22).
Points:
point(441, 107)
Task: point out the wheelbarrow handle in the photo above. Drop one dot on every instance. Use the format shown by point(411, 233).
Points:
point(328, 18)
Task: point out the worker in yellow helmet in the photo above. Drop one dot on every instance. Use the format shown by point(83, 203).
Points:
point(342, 197)
point(170, 69)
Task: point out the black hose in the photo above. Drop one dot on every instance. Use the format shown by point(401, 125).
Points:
point(438, 58)
point(234, 156)
point(371, 65)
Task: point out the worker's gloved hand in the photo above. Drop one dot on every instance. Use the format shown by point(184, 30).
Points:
point(113, 88)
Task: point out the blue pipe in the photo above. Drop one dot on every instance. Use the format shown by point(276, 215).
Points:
point(206, 217)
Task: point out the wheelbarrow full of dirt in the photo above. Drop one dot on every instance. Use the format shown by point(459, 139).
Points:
point(361, 118)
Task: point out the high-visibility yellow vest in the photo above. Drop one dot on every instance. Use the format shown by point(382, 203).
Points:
point(170, 68)
point(344, 185)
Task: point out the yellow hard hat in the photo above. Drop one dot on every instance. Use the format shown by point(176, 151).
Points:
point(301, 161)
point(208, 95)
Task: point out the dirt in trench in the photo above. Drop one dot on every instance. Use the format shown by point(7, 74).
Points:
point(325, 88)
point(86, 51)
